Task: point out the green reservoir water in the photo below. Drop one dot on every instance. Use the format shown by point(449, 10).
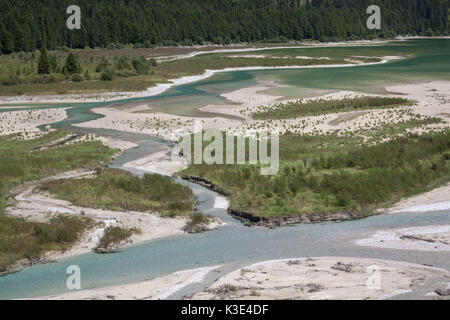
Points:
point(234, 244)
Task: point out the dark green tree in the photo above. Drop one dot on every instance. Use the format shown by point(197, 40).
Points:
point(6, 41)
point(44, 66)
point(170, 22)
point(72, 65)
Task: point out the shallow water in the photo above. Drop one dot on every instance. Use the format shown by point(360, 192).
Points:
point(230, 244)
point(234, 243)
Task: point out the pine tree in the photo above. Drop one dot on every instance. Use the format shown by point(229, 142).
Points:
point(44, 66)
point(72, 65)
point(6, 41)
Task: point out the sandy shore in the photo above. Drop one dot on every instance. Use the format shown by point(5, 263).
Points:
point(434, 200)
point(163, 87)
point(298, 279)
point(430, 238)
point(156, 289)
point(26, 122)
point(256, 49)
point(158, 163)
point(433, 100)
point(324, 279)
point(30, 203)
point(33, 205)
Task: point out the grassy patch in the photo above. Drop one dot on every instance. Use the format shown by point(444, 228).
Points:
point(322, 106)
point(197, 223)
point(114, 236)
point(20, 239)
point(120, 190)
point(21, 161)
point(331, 174)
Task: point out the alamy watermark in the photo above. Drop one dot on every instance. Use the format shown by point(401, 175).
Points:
point(74, 21)
point(374, 21)
point(73, 282)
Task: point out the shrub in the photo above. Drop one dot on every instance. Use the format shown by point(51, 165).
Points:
point(49, 78)
point(126, 73)
point(197, 218)
point(114, 236)
point(11, 80)
point(107, 75)
point(141, 65)
point(77, 77)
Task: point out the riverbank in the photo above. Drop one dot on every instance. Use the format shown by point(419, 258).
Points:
point(434, 200)
point(326, 279)
point(26, 123)
point(298, 279)
point(156, 289)
point(433, 101)
point(430, 238)
point(36, 206)
point(428, 114)
point(30, 203)
point(201, 74)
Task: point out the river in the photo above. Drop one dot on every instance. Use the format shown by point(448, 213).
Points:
point(235, 245)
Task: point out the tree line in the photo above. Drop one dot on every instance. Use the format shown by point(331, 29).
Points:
point(26, 25)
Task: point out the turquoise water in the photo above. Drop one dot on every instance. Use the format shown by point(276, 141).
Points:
point(234, 243)
point(427, 59)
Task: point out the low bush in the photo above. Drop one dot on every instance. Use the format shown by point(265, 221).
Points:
point(107, 75)
point(77, 77)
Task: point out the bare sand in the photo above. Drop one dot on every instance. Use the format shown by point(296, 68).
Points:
point(26, 123)
point(289, 279)
point(433, 100)
point(302, 45)
point(430, 238)
point(158, 163)
point(434, 200)
point(156, 289)
point(33, 205)
point(324, 279)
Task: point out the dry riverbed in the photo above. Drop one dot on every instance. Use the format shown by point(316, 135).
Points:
point(298, 279)
point(324, 279)
point(156, 289)
point(433, 100)
point(36, 206)
point(26, 123)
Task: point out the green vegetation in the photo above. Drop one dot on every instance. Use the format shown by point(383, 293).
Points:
point(120, 70)
point(331, 174)
point(198, 223)
point(75, 71)
point(197, 218)
point(20, 239)
point(72, 66)
point(390, 130)
point(323, 106)
point(29, 25)
point(22, 161)
point(120, 190)
point(44, 66)
point(113, 237)
point(101, 58)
